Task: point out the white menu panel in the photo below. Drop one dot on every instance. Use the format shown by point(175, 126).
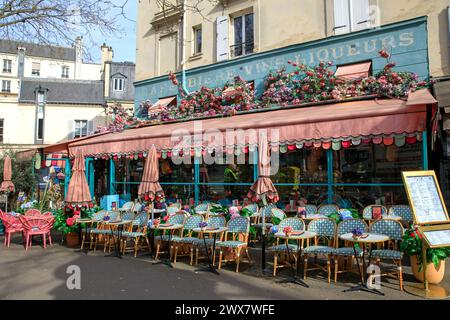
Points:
point(438, 237)
point(425, 199)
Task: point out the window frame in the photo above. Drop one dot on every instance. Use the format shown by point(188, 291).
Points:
point(243, 43)
point(65, 72)
point(9, 63)
point(197, 29)
point(2, 126)
point(34, 71)
point(119, 81)
point(80, 128)
point(8, 87)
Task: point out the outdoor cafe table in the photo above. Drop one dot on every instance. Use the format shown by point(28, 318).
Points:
point(367, 239)
point(303, 235)
point(214, 231)
point(86, 221)
point(117, 240)
point(162, 228)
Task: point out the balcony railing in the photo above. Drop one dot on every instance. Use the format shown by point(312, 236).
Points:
point(241, 49)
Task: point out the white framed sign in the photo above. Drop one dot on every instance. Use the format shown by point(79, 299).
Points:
point(425, 197)
point(436, 236)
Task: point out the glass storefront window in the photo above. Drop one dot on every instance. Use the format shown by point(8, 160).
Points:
point(170, 172)
point(302, 166)
point(376, 163)
point(223, 194)
point(229, 173)
point(359, 197)
point(316, 195)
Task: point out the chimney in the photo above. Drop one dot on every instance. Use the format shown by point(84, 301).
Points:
point(107, 54)
point(78, 56)
point(107, 57)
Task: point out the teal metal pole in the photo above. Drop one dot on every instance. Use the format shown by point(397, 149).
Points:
point(112, 176)
point(255, 164)
point(90, 174)
point(196, 179)
point(330, 175)
point(67, 177)
point(424, 150)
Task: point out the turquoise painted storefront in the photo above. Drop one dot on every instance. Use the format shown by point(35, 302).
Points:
point(342, 170)
point(406, 41)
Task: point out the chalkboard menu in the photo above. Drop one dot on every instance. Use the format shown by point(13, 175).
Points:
point(425, 197)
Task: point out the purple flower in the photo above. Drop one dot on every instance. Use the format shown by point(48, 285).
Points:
point(203, 224)
point(357, 232)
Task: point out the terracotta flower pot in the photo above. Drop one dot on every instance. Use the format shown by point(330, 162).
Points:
point(434, 275)
point(72, 240)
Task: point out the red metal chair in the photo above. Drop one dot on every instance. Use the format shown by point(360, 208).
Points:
point(12, 225)
point(34, 226)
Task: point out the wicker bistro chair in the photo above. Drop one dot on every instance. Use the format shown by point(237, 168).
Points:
point(327, 209)
point(102, 234)
point(310, 209)
point(278, 213)
point(367, 211)
point(187, 240)
point(202, 207)
point(214, 222)
point(137, 207)
point(172, 210)
point(253, 207)
point(326, 232)
point(238, 228)
point(177, 218)
point(91, 232)
point(404, 212)
point(348, 252)
point(394, 230)
point(280, 250)
point(138, 234)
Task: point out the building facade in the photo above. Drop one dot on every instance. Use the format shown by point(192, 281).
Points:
point(49, 94)
point(245, 38)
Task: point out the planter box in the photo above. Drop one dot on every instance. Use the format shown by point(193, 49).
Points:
point(434, 275)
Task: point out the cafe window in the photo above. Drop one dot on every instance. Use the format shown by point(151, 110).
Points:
point(119, 84)
point(350, 15)
point(80, 128)
point(373, 163)
point(65, 72)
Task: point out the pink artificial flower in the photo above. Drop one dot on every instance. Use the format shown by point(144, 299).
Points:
point(70, 222)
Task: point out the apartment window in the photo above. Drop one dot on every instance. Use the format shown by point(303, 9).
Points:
point(119, 84)
point(80, 128)
point(6, 85)
point(40, 129)
point(197, 39)
point(40, 115)
point(1, 129)
point(65, 72)
point(243, 35)
point(36, 69)
point(350, 15)
point(7, 65)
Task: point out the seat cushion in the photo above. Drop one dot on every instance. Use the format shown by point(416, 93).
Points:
point(186, 240)
point(347, 251)
point(318, 250)
point(132, 234)
point(100, 231)
point(230, 244)
point(387, 254)
point(283, 248)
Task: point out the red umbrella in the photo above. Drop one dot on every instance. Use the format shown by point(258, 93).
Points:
point(78, 191)
point(150, 188)
point(263, 188)
point(7, 185)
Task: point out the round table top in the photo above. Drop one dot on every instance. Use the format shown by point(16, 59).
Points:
point(86, 220)
point(166, 226)
point(388, 216)
point(158, 210)
point(260, 225)
point(304, 235)
point(212, 230)
point(119, 222)
point(315, 216)
point(371, 238)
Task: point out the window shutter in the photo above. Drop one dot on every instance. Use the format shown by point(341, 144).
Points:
point(222, 38)
point(90, 129)
point(71, 134)
point(360, 14)
point(341, 16)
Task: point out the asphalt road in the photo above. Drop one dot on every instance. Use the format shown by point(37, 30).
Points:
point(42, 274)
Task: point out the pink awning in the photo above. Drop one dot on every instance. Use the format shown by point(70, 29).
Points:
point(165, 101)
point(354, 71)
point(422, 96)
point(309, 125)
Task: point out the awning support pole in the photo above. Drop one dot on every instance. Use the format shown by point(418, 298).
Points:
point(112, 176)
point(67, 177)
point(424, 150)
point(196, 179)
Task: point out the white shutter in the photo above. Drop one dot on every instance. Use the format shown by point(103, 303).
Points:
point(71, 133)
point(360, 14)
point(341, 16)
point(90, 128)
point(222, 38)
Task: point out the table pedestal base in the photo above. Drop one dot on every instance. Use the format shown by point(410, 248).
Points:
point(434, 291)
point(364, 288)
point(296, 280)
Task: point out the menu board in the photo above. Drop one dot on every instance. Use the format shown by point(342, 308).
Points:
point(437, 238)
point(425, 197)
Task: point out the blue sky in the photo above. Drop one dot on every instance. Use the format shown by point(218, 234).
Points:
point(124, 46)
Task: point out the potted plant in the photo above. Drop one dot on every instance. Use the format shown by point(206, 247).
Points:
point(411, 245)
